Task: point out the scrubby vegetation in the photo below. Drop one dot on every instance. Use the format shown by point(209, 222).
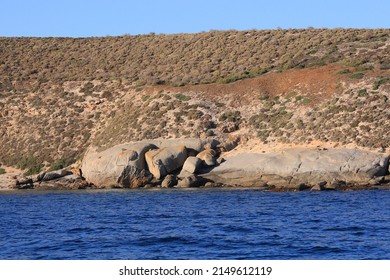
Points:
point(180, 59)
point(59, 95)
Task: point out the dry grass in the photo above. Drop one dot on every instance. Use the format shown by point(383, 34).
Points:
point(217, 56)
point(59, 95)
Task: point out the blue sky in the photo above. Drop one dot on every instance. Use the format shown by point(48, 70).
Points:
point(84, 18)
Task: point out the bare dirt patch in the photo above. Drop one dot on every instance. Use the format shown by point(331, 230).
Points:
point(317, 82)
point(7, 180)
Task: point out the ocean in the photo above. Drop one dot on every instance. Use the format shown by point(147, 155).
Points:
point(194, 224)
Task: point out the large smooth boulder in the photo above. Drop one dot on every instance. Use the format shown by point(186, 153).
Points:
point(208, 156)
point(119, 166)
point(124, 165)
point(169, 181)
point(191, 181)
point(165, 160)
point(296, 166)
point(190, 143)
point(192, 165)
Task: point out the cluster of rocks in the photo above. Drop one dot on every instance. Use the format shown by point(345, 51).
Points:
point(155, 163)
point(187, 163)
point(54, 180)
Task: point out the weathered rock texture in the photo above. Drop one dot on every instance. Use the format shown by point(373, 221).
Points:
point(165, 160)
point(135, 165)
point(192, 165)
point(122, 165)
point(125, 165)
point(169, 181)
point(192, 181)
point(296, 166)
point(48, 176)
point(208, 156)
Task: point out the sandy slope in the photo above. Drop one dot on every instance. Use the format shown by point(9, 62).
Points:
point(8, 179)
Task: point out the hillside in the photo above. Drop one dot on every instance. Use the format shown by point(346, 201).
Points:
point(60, 95)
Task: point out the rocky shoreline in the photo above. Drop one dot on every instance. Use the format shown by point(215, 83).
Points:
point(196, 163)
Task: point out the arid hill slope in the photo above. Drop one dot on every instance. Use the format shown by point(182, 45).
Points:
point(60, 95)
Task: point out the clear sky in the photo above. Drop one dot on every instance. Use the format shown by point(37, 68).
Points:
point(83, 18)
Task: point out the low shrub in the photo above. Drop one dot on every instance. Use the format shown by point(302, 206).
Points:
point(29, 163)
point(231, 116)
point(362, 92)
point(60, 164)
point(182, 97)
point(345, 71)
point(356, 76)
point(379, 82)
point(298, 98)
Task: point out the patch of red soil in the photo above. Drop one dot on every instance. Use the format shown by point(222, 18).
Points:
point(315, 82)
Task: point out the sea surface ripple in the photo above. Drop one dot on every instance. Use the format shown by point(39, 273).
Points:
point(194, 224)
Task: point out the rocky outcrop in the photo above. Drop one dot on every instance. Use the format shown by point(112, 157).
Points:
point(192, 181)
point(165, 160)
point(300, 168)
point(122, 165)
point(48, 176)
point(54, 180)
point(195, 144)
point(133, 165)
point(192, 165)
point(24, 184)
point(169, 181)
point(148, 164)
point(208, 156)
point(68, 182)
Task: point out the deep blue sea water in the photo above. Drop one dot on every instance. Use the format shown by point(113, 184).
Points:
point(194, 224)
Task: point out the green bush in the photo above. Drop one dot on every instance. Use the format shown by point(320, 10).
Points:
point(298, 98)
point(356, 75)
point(362, 92)
point(364, 68)
point(379, 82)
point(2, 171)
point(59, 164)
point(345, 71)
point(231, 79)
point(182, 97)
point(291, 94)
point(145, 98)
point(231, 116)
point(245, 75)
point(269, 104)
point(32, 164)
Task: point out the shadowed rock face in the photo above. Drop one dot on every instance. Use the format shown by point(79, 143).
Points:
point(163, 161)
point(136, 164)
point(125, 165)
point(208, 157)
point(295, 166)
point(192, 165)
point(122, 165)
